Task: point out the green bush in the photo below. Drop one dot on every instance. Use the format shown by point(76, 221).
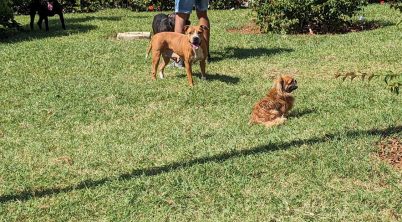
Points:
point(136, 5)
point(22, 6)
point(291, 16)
point(224, 4)
point(6, 13)
point(396, 4)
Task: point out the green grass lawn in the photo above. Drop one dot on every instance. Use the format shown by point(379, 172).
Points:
point(85, 134)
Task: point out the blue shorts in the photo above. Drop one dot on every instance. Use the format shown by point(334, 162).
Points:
point(186, 6)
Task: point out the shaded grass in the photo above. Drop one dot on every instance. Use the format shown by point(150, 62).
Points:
point(144, 150)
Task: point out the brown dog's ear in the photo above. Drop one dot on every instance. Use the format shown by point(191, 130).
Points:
point(204, 27)
point(185, 28)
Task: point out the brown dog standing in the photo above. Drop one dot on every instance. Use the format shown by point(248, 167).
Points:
point(191, 47)
point(271, 109)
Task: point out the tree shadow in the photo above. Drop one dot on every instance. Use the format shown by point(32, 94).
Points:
point(153, 171)
point(91, 18)
point(216, 77)
point(299, 113)
point(361, 26)
point(25, 35)
point(246, 53)
point(72, 24)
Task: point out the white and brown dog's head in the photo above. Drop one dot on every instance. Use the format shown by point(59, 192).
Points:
point(194, 34)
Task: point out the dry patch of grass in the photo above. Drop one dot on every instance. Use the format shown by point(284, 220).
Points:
point(390, 150)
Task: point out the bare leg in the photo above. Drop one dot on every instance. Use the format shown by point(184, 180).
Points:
point(180, 22)
point(204, 20)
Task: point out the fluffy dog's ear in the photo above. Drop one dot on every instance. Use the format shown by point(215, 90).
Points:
point(279, 83)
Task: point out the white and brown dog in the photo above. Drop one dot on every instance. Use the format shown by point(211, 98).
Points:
point(191, 47)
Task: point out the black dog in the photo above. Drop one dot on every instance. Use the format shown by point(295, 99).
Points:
point(164, 23)
point(45, 8)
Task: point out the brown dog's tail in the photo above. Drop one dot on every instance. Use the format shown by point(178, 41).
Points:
point(148, 50)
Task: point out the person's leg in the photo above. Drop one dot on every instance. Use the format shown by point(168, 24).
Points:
point(201, 8)
point(183, 10)
point(203, 20)
point(180, 22)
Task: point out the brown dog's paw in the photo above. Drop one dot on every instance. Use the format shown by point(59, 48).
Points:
point(275, 122)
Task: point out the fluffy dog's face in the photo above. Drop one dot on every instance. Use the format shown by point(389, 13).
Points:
point(286, 84)
point(194, 34)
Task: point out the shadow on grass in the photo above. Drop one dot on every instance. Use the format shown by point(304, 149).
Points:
point(358, 26)
point(245, 53)
point(73, 26)
point(299, 113)
point(90, 18)
point(216, 77)
point(153, 171)
point(25, 35)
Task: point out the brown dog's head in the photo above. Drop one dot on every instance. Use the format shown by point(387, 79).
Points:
point(285, 84)
point(194, 34)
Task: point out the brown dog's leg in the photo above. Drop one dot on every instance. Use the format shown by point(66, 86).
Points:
point(32, 14)
point(163, 65)
point(40, 22)
point(155, 62)
point(202, 66)
point(47, 23)
point(274, 122)
point(189, 72)
point(62, 21)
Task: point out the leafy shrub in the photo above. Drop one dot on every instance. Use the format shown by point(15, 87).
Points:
point(300, 16)
point(6, 13)
point(396, 4)
point(392, 80)
point(224, 4)
point(22, 6)
point(136, 5)
point(7, 23)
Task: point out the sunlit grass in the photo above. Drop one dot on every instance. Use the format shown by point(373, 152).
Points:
point(85, 134)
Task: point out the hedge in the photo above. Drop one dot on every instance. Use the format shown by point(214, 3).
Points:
point(291, 16)
point(21, 6)
point(6, 13)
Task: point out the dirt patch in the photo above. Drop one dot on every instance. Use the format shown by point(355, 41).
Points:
point(390, 150)
point(64, 160)
point(250, 28)
point(253, 28)
point(359, 27)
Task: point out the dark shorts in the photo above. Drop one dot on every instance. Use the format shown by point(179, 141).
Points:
point(186, 6)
